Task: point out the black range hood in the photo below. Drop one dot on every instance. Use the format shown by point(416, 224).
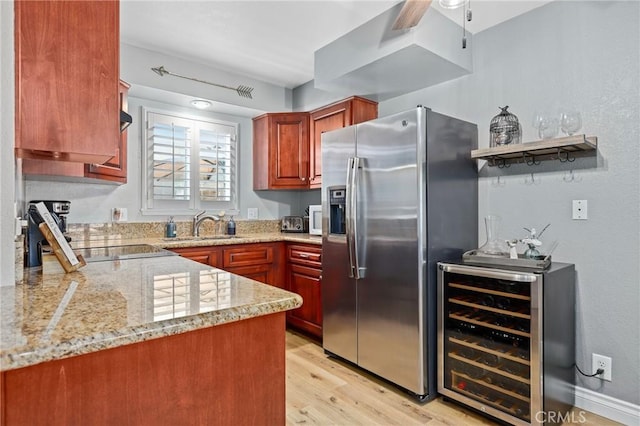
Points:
point(125, 120)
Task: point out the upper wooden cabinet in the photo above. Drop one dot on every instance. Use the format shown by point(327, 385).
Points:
point(281, 151)
point(341, 114)
point(113, 170)
point(287, 152)
point(67, 71)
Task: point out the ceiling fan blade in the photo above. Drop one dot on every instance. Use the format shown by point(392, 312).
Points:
point(410, 14)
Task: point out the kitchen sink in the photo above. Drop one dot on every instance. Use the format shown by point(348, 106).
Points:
point(214, 237)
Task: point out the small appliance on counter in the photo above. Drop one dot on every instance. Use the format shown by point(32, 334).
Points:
point(34, 240)
point(292, 224)
point(315, 219)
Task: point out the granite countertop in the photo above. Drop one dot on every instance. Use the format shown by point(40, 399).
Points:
point(109, 304)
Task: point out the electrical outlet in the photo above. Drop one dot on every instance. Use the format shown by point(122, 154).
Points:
point(579, 210)
point(119, 214)
point(604, 362)
point(252, 213)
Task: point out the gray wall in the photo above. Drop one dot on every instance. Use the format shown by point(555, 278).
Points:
point(92, 203)
point(582, 54)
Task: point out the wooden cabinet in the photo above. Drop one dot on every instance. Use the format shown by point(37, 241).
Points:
point(67, 69)
point(204, 376)
point(261, 262)
point(281, 151)
point(211, 255)
point(287, 152)
point(114, 170)
point(341, 114)
point(304, 277)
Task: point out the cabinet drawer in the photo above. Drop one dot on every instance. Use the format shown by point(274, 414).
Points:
point(305, 255)
point(260, 273)
point(247, 256)
point(207, 255)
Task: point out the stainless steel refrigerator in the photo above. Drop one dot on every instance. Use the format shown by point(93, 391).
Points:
point(399, 194)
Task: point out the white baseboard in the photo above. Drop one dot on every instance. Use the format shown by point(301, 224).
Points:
point(606, 406)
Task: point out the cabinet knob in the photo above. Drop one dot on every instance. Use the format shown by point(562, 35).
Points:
point(303, 179)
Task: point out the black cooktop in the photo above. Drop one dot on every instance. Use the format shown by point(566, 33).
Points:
point(103, 254)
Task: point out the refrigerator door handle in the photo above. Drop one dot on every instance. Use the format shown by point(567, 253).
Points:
point(350, 190)
point(355, 271)
point(358, 270)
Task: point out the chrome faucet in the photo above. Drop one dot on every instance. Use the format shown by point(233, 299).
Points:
point(198, 219)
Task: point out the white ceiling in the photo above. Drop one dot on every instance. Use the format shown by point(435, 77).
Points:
point(271, 41)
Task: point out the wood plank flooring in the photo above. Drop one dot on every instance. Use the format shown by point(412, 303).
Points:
point(326, 391)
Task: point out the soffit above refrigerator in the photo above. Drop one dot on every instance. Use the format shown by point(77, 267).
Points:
point(375, 61)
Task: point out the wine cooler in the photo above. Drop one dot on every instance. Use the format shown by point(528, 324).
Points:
point(506, 340)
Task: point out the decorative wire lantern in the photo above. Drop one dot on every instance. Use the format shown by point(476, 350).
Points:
point(504, 129)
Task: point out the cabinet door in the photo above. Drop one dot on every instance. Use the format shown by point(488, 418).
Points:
point(305, 281)
point(68, 50)
point(335, 116)
point(114, 169)
point(281, 151)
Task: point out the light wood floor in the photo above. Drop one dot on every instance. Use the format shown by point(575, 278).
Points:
point(325, 391)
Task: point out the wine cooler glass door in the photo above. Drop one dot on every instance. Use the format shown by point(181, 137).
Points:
point(489, 341)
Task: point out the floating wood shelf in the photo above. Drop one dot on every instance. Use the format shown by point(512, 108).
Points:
point(562, 149)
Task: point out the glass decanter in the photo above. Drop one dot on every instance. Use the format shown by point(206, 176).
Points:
point(494, 247)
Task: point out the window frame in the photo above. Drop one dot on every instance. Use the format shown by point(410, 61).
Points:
point(194, 204)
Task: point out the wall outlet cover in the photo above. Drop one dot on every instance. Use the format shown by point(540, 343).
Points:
point(119, 214)
point(604, 362)
point(579, 210)
point(252, 213)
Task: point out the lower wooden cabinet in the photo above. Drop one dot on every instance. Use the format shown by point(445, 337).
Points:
point(261, 261)
point(208, 376)
point(295, 267)
point(211, 255)
point(262, 273)
point(304, 277)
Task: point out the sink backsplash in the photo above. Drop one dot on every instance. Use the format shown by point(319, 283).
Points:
point(121, 231)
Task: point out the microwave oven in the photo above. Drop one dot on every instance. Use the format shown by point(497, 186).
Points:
point(315, 219)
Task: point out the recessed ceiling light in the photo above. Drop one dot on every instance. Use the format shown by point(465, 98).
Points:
point(200, 103)
point(451, 4)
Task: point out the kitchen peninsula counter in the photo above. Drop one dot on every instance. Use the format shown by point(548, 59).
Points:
point(136, 323)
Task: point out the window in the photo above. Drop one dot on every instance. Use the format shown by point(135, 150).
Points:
point(190, 164)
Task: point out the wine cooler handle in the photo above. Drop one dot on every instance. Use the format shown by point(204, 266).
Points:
point(484, 272)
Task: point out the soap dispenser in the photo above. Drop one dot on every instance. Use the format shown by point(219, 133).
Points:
point(231, 227)
point(170, 228)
